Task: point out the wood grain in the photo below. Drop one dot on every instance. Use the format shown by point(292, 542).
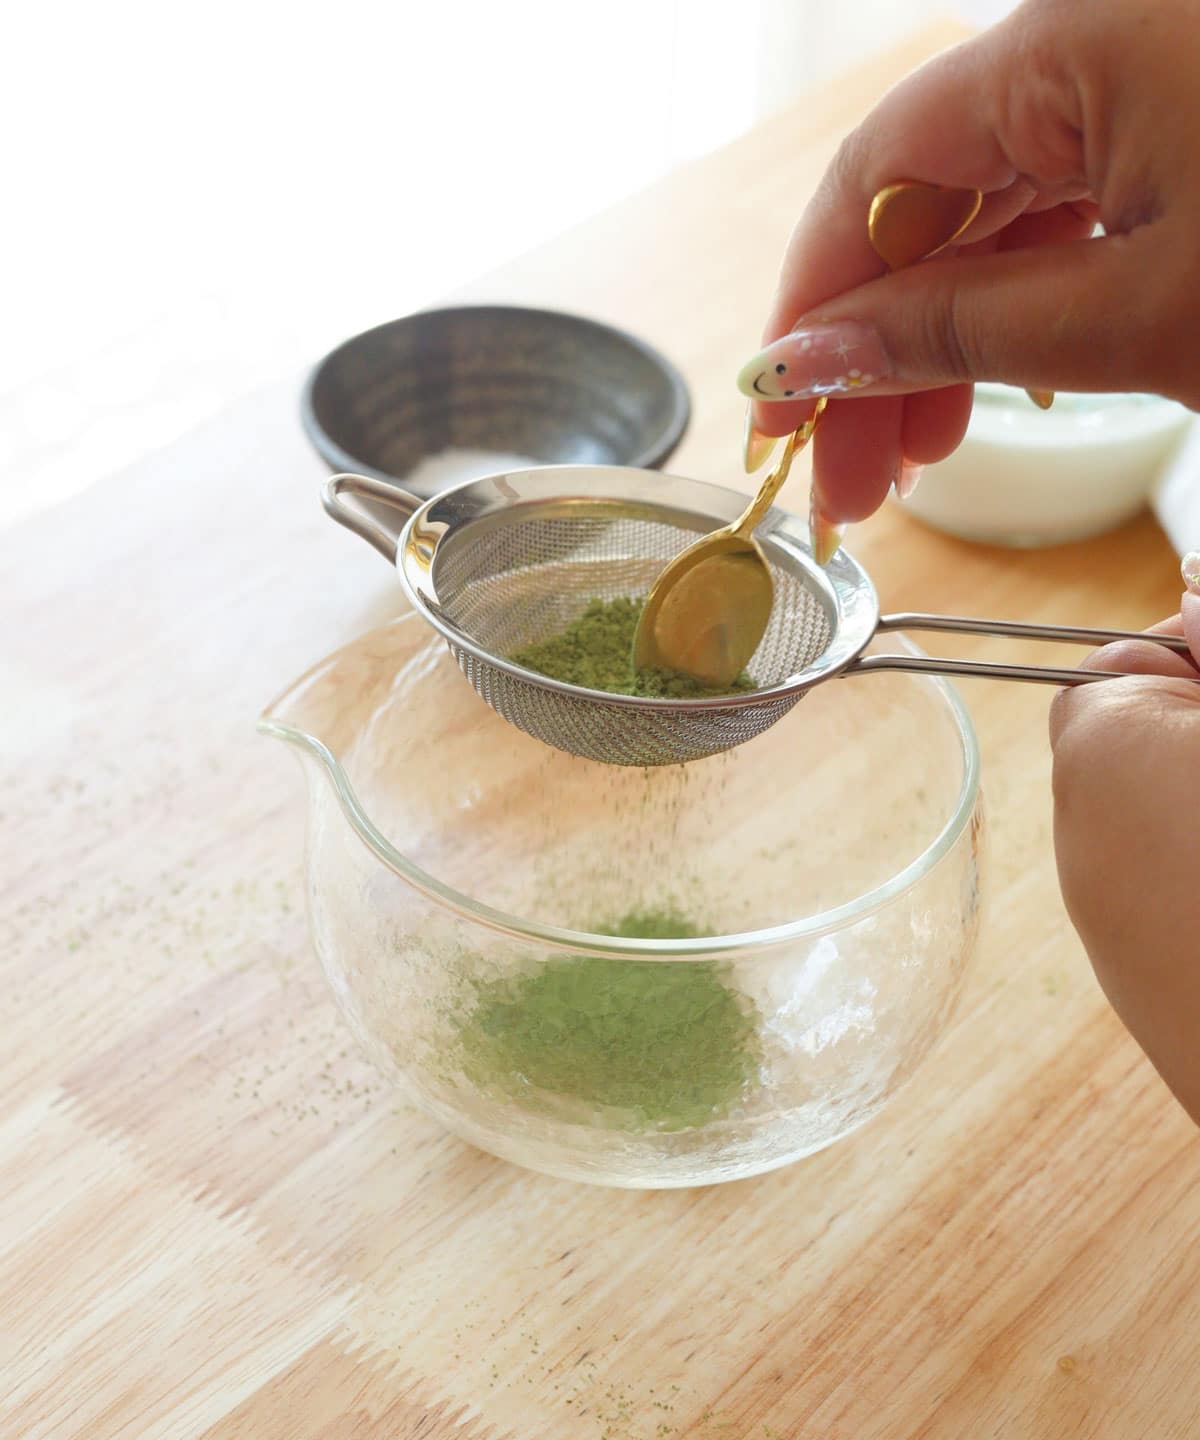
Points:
point(215, 1222)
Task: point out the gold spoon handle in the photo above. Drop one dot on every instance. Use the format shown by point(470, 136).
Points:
point(910, 221)
point(765, 497)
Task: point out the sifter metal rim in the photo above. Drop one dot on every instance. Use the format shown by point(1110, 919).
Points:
point(843, 586)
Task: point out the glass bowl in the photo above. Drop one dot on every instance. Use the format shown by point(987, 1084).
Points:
point(797, 915)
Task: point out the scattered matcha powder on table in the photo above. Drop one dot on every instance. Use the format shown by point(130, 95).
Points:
point(666, 1044)
point(596, 651)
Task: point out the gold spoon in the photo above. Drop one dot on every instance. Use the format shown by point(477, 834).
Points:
point(911, 221)
point(708, 610)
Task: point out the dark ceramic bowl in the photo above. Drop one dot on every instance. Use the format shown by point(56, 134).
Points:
point(555, 387)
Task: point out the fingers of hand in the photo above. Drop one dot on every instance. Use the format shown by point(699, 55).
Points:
point(1127, 791)
point(1056, 225)
point(1190, 616)
point(1121, 749)
point(1090, 706)
point(1058, 316)
point(935, 422)
point(988, 114)
point(856, 456)
point(781, 417)
point(859, 444)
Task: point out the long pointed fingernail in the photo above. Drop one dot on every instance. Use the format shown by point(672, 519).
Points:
point(1043, 399)
point(833, 359)
point(826, 536)
point(908, 479)
point(1190, 570)
point(756, 447)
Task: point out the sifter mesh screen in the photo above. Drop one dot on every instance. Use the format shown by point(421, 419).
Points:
point(507, 584)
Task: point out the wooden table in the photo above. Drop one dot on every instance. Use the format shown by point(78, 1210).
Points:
point(215, 1222)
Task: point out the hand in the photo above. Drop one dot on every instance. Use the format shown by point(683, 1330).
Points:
point(1063, 115)
point(1127, 837)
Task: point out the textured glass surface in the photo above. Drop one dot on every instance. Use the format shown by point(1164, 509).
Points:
point(829, 870)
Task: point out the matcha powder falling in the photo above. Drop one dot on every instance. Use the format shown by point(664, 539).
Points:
point(656, 1045)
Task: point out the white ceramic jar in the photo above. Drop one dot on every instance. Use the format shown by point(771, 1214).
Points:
point(1030, 477)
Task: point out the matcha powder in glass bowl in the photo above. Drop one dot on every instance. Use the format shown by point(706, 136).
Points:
point(655, 1045)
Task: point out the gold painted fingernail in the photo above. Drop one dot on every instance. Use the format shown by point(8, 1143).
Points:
point(756, 447)
point(1043, 399)
point(1190, 570)
point(908, 479)
point(826, 536)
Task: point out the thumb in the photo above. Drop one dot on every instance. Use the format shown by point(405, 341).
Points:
point(1096, 314)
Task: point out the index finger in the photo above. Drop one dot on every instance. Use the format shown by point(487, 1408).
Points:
point(946, 124)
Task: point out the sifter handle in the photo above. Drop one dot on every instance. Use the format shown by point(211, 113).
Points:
point(1020, 630)
point(988, 669)
point(365, 487)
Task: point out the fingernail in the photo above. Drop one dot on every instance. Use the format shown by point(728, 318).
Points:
point(756, 447)
point(826, 536)
point(1043, 399)
point(908, 479)
point(1190, 570)
point(813, 360)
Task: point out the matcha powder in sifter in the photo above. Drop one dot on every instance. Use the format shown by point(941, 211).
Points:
point(596, 651)
point(660, 1045)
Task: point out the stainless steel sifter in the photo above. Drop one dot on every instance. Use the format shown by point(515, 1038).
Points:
point(499, 563)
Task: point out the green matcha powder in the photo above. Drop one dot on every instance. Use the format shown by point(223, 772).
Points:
point(596, 651)
point(657, 1045)
point(660, 1045)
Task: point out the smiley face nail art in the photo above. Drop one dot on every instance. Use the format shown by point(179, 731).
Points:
point(815, 360)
